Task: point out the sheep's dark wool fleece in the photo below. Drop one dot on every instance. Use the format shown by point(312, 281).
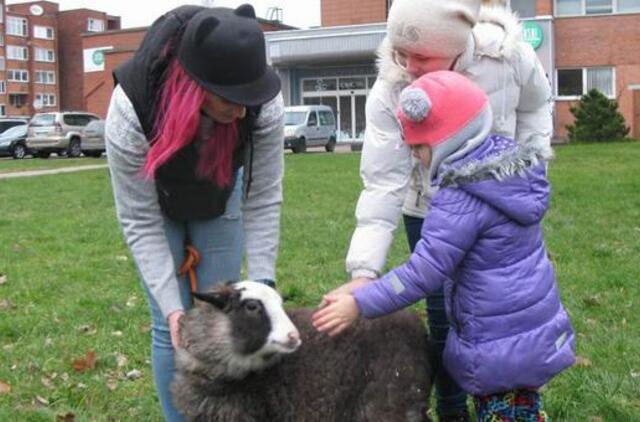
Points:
point(376, 371)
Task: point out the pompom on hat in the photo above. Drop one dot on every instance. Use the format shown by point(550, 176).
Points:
point(447, 112)
point(432, 28)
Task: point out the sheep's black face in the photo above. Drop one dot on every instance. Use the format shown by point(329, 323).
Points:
point(259, 327)
point(251, 326)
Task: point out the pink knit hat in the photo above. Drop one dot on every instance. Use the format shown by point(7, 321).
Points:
point(446, 111)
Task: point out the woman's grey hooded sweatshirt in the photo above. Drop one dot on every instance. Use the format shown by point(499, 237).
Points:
point(139, 212)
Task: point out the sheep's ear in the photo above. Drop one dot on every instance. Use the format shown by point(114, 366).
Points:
point(219, 299)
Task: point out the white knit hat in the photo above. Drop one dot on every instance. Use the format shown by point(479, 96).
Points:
point(432, 28)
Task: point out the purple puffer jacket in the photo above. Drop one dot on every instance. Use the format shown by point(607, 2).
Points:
point(482, 239)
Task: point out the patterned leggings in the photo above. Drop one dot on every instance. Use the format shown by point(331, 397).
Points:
point(516, 405)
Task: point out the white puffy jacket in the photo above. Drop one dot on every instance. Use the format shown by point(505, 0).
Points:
point(507, 69)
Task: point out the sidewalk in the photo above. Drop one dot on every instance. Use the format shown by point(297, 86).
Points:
point(32, 173)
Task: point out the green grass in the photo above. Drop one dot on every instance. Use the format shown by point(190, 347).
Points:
point(29, 164)
point(68, 268)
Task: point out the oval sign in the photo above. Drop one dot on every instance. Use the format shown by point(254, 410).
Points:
point(532, 33)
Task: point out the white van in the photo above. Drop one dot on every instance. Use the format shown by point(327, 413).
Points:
point(309, 125)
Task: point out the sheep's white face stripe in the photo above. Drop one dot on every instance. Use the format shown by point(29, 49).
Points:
point(281, 325)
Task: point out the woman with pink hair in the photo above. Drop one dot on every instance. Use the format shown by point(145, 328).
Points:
point(194, 142)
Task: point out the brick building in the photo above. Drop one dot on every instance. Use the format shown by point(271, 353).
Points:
point(40, 56)
point(104, 51)
point(53, 60)
point(582, 44)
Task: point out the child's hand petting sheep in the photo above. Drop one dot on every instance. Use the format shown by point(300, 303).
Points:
point(340, 311)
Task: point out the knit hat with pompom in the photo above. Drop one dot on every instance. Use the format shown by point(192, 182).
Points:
point(447, 112)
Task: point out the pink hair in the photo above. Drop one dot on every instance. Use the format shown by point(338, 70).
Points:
point(176, 125)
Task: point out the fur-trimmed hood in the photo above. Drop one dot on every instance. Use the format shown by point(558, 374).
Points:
point(496, 34)
point(506, 175)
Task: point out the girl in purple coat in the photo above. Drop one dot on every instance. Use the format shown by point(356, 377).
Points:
point(482, 240)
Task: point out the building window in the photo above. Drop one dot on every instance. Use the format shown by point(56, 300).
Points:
point(17, 26)
point(597, 7)
point(1, 39)
point(524, 8)
point(43, 32)
point(3, 65)
point(3, 87)
point(3, 110)
point(47, 100)
point(17, 75)
point(16, 52)
point(44, 55)
point(95, 25)
point(594, 7)
point(573, 83)
point(626, 6)
point(46, 77)
point(17, 100)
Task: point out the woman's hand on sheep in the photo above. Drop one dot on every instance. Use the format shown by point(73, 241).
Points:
point(339, 313)
point(174, 327)
point(346, 288)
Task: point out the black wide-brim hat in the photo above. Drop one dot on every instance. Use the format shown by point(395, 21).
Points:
point(224, 51)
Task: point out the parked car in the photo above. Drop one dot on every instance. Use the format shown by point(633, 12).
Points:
point(58, 132)
point(8, 123)
point(309, 125)
point(92, 139)
point(13, 142)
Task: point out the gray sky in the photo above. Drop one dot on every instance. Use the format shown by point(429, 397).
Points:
point(300, 13)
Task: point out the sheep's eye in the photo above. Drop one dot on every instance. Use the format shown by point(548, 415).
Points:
point(251, 306)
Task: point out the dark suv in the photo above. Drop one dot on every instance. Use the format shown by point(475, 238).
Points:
point(58, 132)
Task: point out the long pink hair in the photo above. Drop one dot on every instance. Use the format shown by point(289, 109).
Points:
point(176, 125)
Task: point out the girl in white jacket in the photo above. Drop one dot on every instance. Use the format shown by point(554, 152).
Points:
point(482, 43)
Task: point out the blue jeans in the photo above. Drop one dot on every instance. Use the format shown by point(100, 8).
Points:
point(451, 398)
point(220, 243)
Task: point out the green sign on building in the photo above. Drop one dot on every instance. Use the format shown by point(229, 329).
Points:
point(98, 57)
point(532, 33)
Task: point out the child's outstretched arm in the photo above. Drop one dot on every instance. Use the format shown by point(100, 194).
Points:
point(450, 230)
point(337, 315)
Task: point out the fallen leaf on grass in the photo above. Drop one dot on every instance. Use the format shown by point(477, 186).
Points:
point(4, 388)
point(85, 363)
point(112, 385)
point(40, 401)
point(6, 305)
point(596, 419)
point(131, 302)
point(116, 333)
point(635, 374)
point(583, 362)
point(145, 328)
point(592, 300)
point(87, 329)
point(3, 278)
point(121, 360)
point(46, 382)
point(69, 417)
point(134, 375)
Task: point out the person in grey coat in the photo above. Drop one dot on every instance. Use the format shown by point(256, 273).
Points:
point(194, 143)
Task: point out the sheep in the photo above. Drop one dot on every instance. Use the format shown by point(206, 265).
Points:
point(242, 359)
